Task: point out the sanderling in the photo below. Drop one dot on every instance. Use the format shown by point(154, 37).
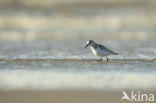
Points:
point(99, 50)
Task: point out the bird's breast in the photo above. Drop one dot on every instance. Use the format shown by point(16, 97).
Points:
point(93, 50)
point(99, 52)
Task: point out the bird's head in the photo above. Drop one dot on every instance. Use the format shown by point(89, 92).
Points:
point(89, 42)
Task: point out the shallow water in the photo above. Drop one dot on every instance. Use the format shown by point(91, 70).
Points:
point(59, 65)
point(44, 48)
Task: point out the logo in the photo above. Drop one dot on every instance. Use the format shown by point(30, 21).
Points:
point(137, 96)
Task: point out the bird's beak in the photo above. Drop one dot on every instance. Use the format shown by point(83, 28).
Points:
point(87, 45)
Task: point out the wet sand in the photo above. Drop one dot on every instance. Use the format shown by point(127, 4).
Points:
point(58, 96)
point(73, 60)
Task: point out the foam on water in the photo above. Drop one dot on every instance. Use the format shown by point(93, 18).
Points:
point(46, 80)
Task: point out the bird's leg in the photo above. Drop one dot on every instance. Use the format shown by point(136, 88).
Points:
point(101, 59)
point(107, 59)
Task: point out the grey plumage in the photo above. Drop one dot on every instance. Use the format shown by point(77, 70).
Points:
point(99, 50)
point(106, 49)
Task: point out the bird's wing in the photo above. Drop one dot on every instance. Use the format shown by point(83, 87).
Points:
point(106, 49)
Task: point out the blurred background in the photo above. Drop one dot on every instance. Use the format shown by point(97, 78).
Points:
point(42, 55)
point(77, 19)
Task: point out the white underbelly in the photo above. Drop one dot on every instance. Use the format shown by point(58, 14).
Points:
point(94, 51)
point(99, 52)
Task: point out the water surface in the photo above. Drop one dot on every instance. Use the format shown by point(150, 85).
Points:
point(43, 48)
